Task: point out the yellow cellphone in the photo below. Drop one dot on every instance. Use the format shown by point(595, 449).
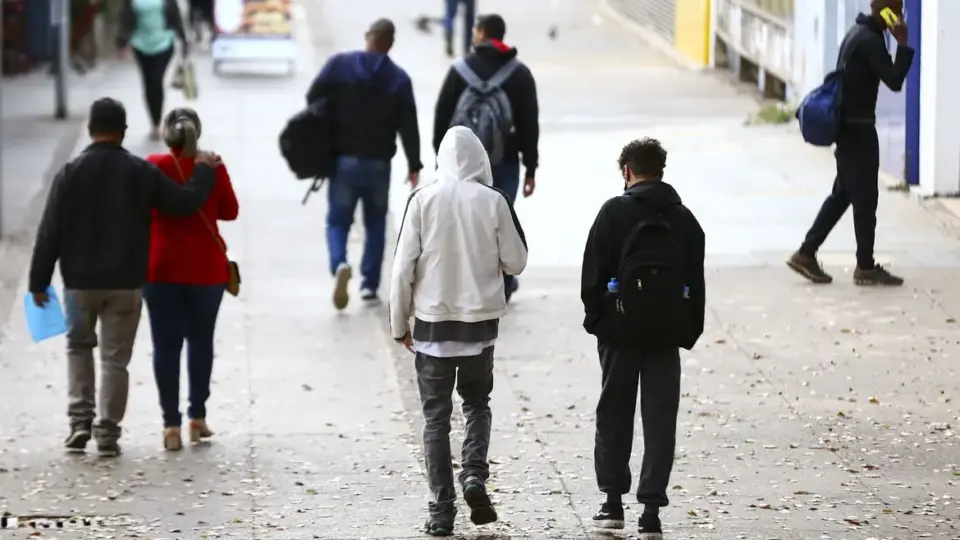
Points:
point(889, 17)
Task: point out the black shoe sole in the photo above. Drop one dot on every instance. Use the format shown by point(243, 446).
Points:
point(608, 523)
point(108, 452)
point(819, 279)
point(481, 509)
point(439, 531)
point(77, 442)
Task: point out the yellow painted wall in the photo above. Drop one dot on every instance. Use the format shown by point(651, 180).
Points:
point(692, 30)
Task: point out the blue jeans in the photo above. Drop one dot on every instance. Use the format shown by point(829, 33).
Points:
point(506, 178)
point(469, 16)
point(367, 181)
point(181, 312)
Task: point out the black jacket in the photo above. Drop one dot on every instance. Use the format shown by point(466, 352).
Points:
point(97, 218)
point(128, 23)
point(370, 100)
point(601, 256)
point(520, 89)
point(869, 63)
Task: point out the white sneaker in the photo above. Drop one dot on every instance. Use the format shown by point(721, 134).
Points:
point(340, 295)
point(369, 297)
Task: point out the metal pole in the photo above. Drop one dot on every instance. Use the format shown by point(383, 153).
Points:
point(60, 20)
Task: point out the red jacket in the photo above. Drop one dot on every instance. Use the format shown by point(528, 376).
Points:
point(182, 248)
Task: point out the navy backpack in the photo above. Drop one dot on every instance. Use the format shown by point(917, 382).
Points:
point(819, 112)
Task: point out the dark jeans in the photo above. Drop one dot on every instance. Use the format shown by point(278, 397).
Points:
point(858, 166)
point(153, 68)
point(181, 312)
point(658, 375)
point(473, 378)
point(469, 17)
point(506, 178)
point(366, 181)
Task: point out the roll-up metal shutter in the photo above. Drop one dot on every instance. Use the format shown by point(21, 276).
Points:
point(658, 15)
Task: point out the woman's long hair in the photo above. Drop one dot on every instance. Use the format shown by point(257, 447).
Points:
point(181, 130)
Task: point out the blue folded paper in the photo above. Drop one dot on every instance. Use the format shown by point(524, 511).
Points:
point(47, 321)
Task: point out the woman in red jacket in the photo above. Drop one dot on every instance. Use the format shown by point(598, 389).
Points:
point(185, 283)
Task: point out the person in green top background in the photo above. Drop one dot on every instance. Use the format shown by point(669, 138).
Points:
point(151, 28)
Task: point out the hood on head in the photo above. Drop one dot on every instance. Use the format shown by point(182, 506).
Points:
point(461, 157)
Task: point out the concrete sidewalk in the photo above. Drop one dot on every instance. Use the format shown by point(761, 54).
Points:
point(808, 412)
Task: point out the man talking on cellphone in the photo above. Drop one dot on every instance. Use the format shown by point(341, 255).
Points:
point(865, 62)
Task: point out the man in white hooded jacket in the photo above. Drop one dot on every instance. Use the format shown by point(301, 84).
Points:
point(459, 234)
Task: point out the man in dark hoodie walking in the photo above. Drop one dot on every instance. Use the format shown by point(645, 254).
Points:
point(491, 61)
point(96, 224)
point(865, 62)
point(370, 100)
point(643, 296)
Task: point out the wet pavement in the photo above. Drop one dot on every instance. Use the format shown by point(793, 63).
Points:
point(808, 412)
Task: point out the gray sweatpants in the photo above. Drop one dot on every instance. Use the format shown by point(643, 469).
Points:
point(119, 314)
point(473, 378)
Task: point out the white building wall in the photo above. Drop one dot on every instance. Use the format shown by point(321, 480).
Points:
point(939, 103)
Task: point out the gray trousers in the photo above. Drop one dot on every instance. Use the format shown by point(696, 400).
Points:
point(473, 378)
point(119, 314)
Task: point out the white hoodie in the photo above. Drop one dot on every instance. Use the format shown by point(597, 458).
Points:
point(458, 236)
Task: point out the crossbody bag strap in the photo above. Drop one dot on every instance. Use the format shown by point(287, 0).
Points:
point(213, 233)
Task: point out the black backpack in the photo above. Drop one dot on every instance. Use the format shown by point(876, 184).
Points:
point(306, 143)
point(652, 288)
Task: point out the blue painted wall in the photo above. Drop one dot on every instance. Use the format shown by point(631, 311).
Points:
point(912, 90)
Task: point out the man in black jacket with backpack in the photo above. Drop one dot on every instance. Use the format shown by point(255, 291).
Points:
point(514, 127)
point(863, 62)
point(643, 296)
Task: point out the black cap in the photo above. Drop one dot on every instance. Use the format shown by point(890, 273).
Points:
point(107, 117)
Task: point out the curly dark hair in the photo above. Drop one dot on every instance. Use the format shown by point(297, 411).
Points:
point(644, 157)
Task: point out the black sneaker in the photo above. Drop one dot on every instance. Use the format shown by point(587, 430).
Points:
point(108, 449)
point(877, 275)
point(481, 509)
point(441, 520)
point(448, 45)
point(610, 516)
point(369, 297)
point(78, 438)
point(808, 267)
point(511, 287)
point(650, 527)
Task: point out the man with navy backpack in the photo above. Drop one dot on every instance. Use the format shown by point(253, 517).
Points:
point(368, 100)
point(863, 62)
point(495, 95)
point(643, 295)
